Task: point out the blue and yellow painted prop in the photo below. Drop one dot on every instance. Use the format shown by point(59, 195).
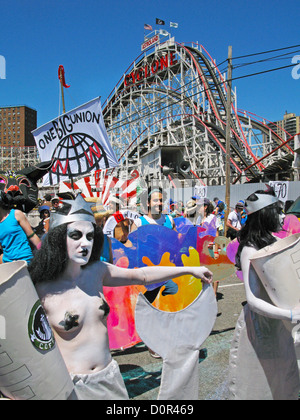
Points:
point(154, 245)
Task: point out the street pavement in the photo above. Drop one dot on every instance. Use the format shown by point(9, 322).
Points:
point(142, 373)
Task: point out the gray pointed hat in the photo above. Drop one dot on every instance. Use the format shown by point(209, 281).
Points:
point(79, 211)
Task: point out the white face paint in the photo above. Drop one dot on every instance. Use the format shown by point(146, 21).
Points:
point(281, 219)
point(80, 240)
point(281, 216)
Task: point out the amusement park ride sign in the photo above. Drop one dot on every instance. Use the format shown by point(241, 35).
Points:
point(138, 75)
point(150, 42)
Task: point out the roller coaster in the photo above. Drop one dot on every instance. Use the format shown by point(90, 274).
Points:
point(167, 114)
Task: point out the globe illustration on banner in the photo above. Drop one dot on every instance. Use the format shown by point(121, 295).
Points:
point(77, 154)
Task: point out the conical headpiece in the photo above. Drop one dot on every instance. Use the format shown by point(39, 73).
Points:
point(80, 211)
point(264, 200)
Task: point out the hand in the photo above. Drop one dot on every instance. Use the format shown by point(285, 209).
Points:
point(204, 274)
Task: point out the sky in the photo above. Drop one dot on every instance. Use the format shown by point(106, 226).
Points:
point(96, 41)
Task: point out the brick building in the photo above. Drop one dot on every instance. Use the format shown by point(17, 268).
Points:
point(16, 124)
point(17, 145)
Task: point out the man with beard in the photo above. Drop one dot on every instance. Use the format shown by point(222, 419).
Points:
point(155, 208)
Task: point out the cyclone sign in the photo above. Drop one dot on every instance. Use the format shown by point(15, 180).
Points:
point(76, 142)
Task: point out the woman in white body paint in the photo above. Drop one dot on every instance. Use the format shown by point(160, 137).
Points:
point(69, 278)
point(263, 363)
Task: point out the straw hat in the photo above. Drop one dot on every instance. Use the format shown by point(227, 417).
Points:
point(98, 209)
point(190, 206)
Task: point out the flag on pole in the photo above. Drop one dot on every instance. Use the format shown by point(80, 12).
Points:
point(160, 21)
point(163, 32)
point(173, 25)
point(148, 27)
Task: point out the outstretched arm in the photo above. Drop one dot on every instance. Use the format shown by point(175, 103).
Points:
point(117, 276)
point(252, 287)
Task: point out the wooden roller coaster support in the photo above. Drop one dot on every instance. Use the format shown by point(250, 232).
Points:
point(211, 100)
point(259, 121)
point(242, 140)
point(267, 155)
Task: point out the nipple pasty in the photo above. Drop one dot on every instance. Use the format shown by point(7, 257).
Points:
point(104, 306)
point(70, 321)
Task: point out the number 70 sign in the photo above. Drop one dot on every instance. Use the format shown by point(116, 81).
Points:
point(281, 189)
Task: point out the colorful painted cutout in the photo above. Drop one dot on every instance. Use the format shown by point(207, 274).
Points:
point(158, 245)
point(182, 224)
point(291, 226)
point(232, 249)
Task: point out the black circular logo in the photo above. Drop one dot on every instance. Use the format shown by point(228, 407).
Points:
point(39, 330)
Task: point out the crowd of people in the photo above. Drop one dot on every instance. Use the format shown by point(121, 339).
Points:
point(65, 254)
point(200, 212)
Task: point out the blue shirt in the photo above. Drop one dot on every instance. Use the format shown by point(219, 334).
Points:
point(14, 241)
point(105, 254)
point(164, 220)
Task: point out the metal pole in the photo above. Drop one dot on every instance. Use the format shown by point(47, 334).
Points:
point(228, 134)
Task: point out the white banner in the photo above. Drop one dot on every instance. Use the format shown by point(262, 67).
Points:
point(77, 143)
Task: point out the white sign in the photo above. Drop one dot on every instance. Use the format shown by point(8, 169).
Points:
point(281, 189)
point(150, 42)
point(76, 142)
point(200, 193)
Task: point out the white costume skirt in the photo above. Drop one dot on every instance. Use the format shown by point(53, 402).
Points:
point(106, 384)
point(263, 364)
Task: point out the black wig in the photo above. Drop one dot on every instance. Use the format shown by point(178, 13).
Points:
point(260, 226)
point(51, 259)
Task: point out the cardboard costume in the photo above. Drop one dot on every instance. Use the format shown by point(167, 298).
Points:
point(278, 267)
point(263, 363)
point(31, 366)
point(177, 338)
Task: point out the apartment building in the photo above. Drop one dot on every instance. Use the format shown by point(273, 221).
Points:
point(288, 126)
point(16, 124)
point(17, 145)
